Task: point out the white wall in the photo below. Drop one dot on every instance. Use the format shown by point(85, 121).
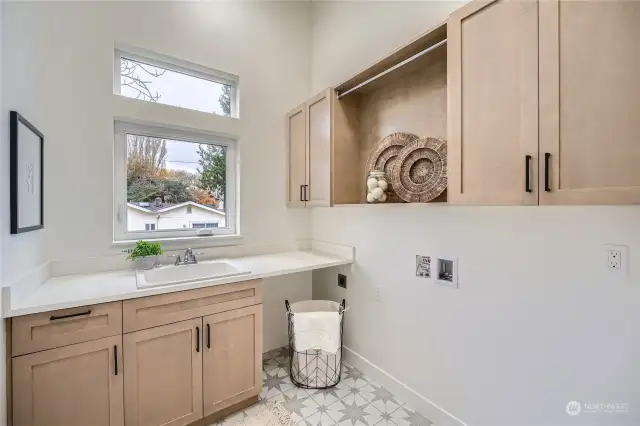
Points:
point(25, 251)
point(537, 322)
point(61, 71)
point(4, 223)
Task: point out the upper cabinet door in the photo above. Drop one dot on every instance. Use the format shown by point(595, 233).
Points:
point(232, 362)
point(163, 375)
point(589, 102)
point(77, 385)
point(296, 156)
point(492, 69)
point(319, 146)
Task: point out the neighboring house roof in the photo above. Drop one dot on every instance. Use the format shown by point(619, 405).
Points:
point(152, 207)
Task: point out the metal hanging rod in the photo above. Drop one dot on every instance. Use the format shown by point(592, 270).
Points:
point(395, 67)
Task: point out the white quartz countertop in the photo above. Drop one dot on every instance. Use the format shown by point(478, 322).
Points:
point(81, 290)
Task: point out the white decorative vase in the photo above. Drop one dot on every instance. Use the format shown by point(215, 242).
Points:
point(146, 262)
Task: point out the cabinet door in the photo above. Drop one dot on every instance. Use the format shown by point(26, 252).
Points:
point(589, 102)
point(163, 375)
point(232, 362)
point(319, 145)
point(492, 67)
point(296, 156)
point(77, 385)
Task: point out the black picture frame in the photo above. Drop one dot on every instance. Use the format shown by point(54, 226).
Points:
point(15, 119)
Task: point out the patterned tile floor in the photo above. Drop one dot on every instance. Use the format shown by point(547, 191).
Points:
point(355, 401)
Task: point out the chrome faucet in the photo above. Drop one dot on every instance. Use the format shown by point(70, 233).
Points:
point(189, 258)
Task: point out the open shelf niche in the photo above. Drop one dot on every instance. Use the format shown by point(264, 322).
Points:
point(411, 98)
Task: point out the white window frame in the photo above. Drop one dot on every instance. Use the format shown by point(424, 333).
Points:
point(121, 233)
point(150, 224)
point(176, 65)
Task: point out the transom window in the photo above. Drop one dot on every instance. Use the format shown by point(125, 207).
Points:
point(157, 78)
point(172, 183)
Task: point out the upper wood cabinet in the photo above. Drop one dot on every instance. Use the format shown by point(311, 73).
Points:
point(589, 102)
point(76, 385)
point(543, 103)
point(163, 376)
point(296, 156)
point(309, 152)
point(493, 103)
point(232, 360)
point(319, 142)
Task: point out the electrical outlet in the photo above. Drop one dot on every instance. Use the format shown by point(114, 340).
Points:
point(614, 259)
point(423, 266)
point(342, 280)
point(378, 294)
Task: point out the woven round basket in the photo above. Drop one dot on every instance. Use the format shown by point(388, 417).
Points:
point(420, 171)
point(383, 156)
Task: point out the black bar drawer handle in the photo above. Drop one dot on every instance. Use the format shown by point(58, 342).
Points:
point(115, 359)
point(527, 174)
point(301, 189)
point(547, 183)
point(208, 336)
point(79, 314)
point(197, 339)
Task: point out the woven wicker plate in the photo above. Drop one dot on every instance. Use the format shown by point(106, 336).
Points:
point(383, 156)
point(420, 170)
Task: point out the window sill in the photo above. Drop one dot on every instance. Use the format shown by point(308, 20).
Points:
point(194, 242)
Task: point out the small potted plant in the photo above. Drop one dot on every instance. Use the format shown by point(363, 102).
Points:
point(145, 254)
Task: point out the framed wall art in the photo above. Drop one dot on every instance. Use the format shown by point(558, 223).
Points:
point(26, 145)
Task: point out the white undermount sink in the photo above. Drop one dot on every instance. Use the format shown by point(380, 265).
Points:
point(170, 275)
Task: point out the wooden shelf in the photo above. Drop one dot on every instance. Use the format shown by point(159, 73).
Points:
point(412, 99)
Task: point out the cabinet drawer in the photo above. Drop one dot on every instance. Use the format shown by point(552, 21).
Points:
point(153, 311)
point(48, 330)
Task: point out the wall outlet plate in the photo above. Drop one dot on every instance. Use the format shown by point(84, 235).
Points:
point(447, 271)
point(342, 280)
point(616, 259)
point(423, 266)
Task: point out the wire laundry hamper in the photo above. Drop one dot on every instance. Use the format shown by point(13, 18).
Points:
point(314, 368)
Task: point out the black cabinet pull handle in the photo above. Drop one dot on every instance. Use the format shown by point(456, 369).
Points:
point(208, 336)
point(79, 314)
point(115, 359)
point(547, 183)
point(301, 189)
point(197, 339)
point(527, 174)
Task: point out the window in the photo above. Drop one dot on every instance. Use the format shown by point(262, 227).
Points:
point(157, 78)
point(203, 225)
point(161, 175)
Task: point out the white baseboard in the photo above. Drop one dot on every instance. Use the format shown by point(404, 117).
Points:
point(439, 416)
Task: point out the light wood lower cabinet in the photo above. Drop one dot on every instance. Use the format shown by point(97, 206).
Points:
point(163, 376)
point(189, 355)
point(232, 366)
point(76, 385)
